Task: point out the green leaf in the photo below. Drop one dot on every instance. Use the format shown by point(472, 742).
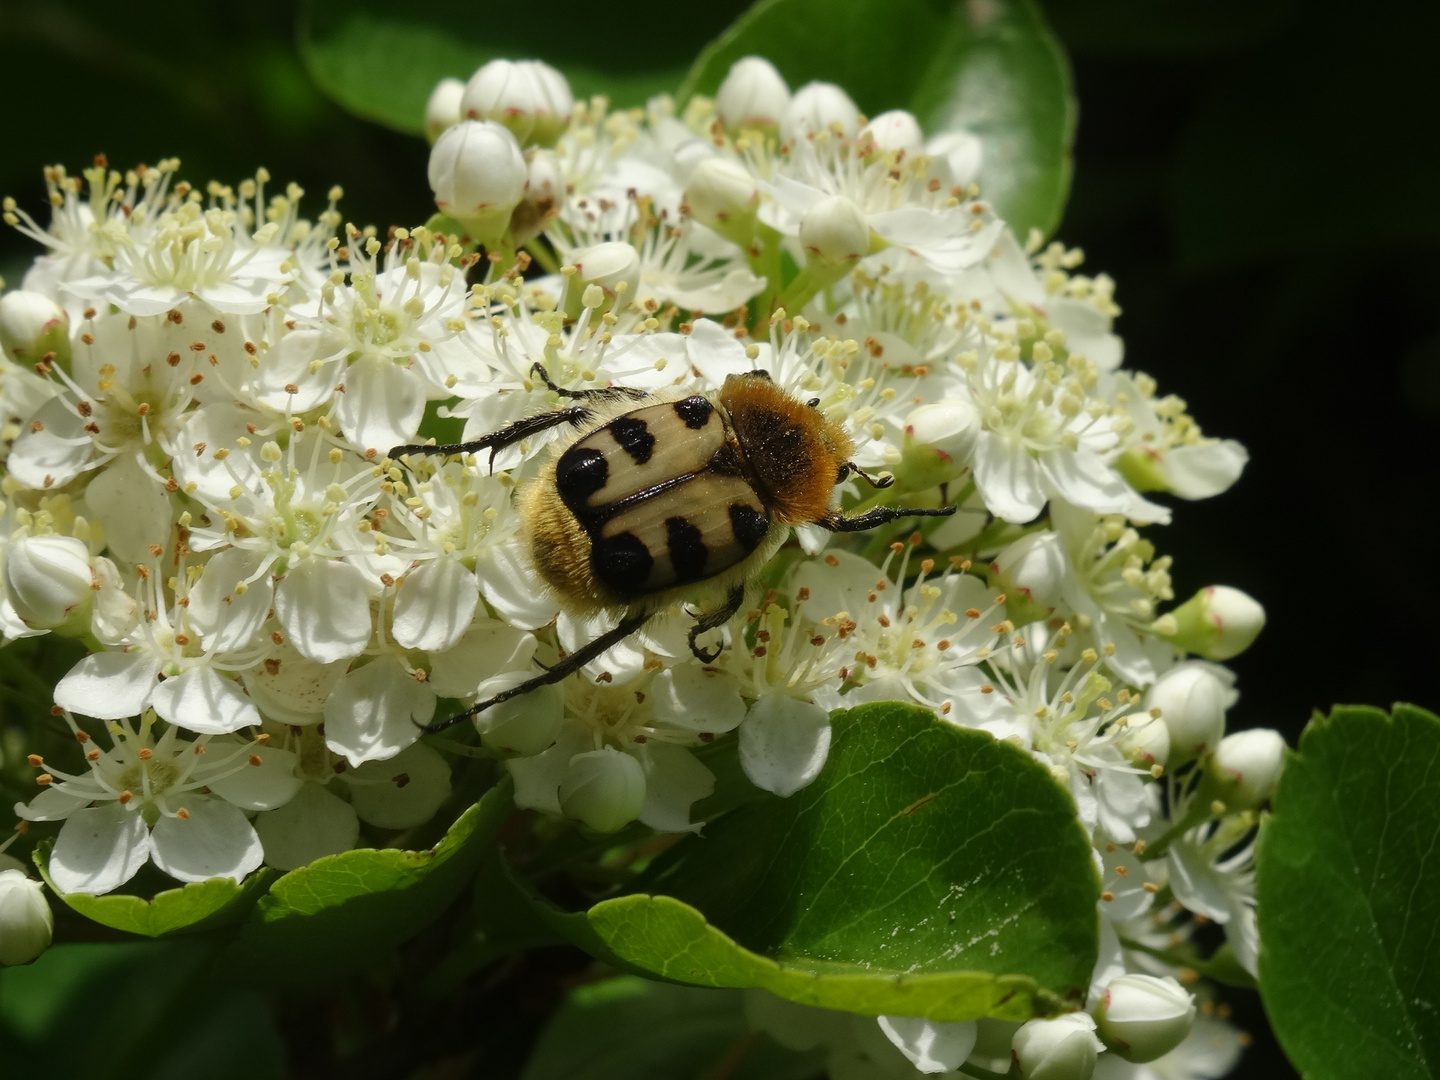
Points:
point(381, 60)
point(200, 905)
point(1348, 897)
point(992, 67)
point(342, 913)
point(929, 870)
point(643, 1030)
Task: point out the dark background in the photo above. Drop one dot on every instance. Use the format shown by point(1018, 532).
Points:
point(1259, 176)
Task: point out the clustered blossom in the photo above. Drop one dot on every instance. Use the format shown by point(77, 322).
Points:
point(201, 387)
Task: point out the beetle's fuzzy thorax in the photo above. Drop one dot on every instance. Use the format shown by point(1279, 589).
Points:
point(793, 452)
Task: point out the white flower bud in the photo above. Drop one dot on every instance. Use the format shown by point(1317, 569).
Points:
point(753, 95)
point(894, 130)
point(688, 156)
point(1064, 1048)
point(613, 267)
point(1143, 1017)
point(835, 235)
point(1248, 763)
point(32, 326)
point(939, 439)
point(443, 108)
point(1034, 567)
point(523, 725)
point(47, 578)
point(478, 175)
point(817, 107)
point(1192, 700)
point(1145, 741)
point(544, 195)
point(1218, 622)
point(529, 97)
point(723, 195)
point(955, 158)
point(603, 789)
point(26, 923)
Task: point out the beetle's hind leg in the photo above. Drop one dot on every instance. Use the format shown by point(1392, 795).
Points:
point(882, 481)
point(881, 515)
point(602, 393)
point(506, 436)
point(713, 620)
point(566, 667)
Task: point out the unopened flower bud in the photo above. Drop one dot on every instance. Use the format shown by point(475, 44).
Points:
point(723, 195)
point(892, 131)
point(1145, 741)
point(478, 175)
point(753, 95)
point(33, 328)
point(1218, 622)
point(613, 267)
point(687, 158)
point(1034, 568)
point(817, 107)
point(1192, 700)
point(544, 195)
point(955, 158)
point(523, 725)
point(48, 577)
point(26, 923)
point(939, 439)
point(1064, 1048)
point(835, 236)
point(529, 97)
point(1142, 1017)
point(443, 108)
point(603, 789)
point(1248, 764)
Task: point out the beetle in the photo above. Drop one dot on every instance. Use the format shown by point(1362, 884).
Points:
point(663, 495)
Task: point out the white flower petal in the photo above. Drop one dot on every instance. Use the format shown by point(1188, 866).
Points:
point(296, 690)
point(434, 605)
point(406, 790)
point(1198, 472)
point(1008, 478)
point(674, 780)
point(313, 824)
point(1082, 479)
point(325, 609)
point(511, 588)
point(784, 743)
point(54, 454)
point(214, 840)
point(932, 1046)
point(382, 404)
point(203, 701)
point(131, 506)
point(375, 711)
point(698, 699)
point(716, 353)
point(488, 649)
point(264, 786)
point(230, 619)
point(537, 779)
point(99, 849)
point(109, 685)
point(55, 803)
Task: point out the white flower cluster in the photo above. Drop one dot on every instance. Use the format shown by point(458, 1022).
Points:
point(200, 389)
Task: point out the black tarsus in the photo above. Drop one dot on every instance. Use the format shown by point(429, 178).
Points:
point(506, 436)
point(881, 515)
point(813, 403)
point(604, 393)
point(561, 670)
point(874, 481)
point(714, 619)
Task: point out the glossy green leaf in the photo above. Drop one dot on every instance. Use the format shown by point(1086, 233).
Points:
point(928, 870)
point(343, 912)
point(992, 67)
point(643, 1030)
point(200, 905)
point(1348, 890)
point(381, 60)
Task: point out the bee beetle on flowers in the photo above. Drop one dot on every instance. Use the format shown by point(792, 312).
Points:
point(663, 496)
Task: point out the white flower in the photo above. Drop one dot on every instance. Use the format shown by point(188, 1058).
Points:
point(1249, 764)
point(1164, 449)
point(819, 108)
point(146, 799)
point(1192, 699)
point(47, 577)
point(529, 97)
point(1142, 1017)
point(478, 175)
point(752, 95)
point(1212, 872)
point(33, 329)
point(1218, 622)
point(442, 107)
point(1064, 1048)
point(1210, 1052)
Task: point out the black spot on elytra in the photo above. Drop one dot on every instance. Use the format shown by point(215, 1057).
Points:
point(580, 473)
point(622, 563)
point(634, 438)
point(687, 549)
point(750, 525)
point(695, 410)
